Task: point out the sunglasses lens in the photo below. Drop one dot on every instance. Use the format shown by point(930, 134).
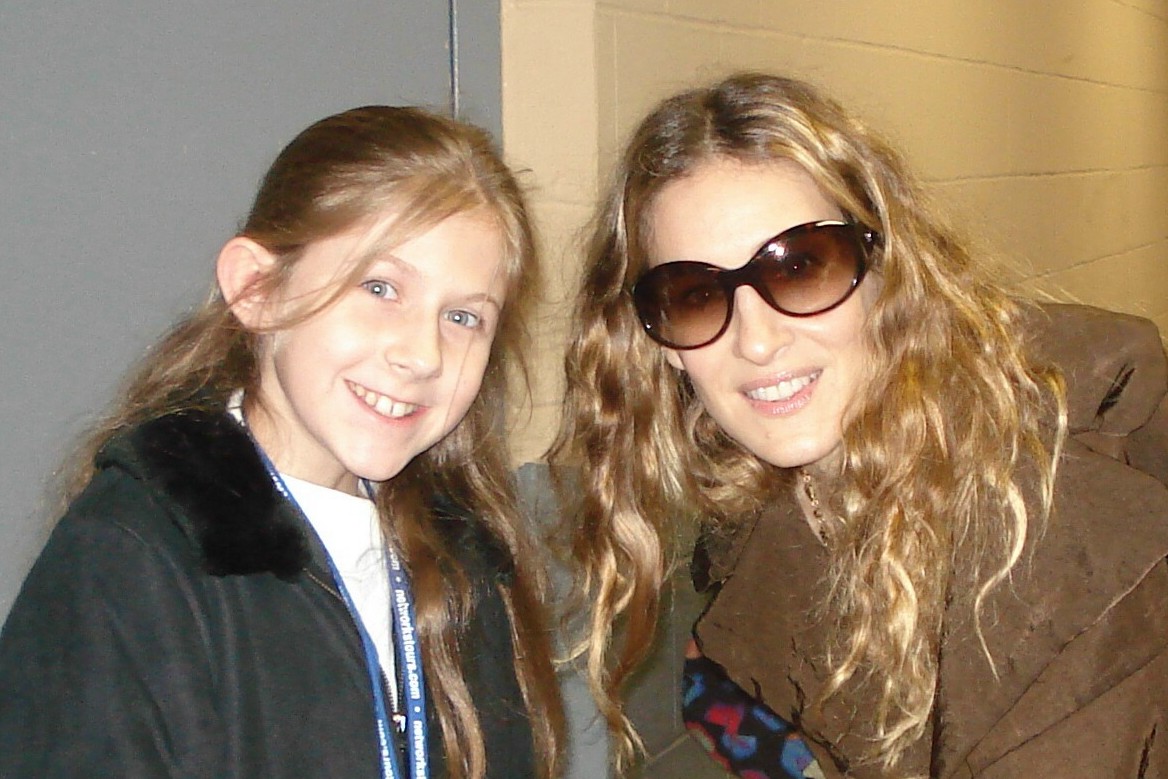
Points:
point(681, 304)
point(811, 270)
point(803, 271)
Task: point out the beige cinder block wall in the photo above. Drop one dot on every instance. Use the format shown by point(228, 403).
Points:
point(1043, 126)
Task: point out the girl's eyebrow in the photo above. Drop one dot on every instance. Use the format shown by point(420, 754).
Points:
point(387, 258)
point(408, 269)
point(484, 297)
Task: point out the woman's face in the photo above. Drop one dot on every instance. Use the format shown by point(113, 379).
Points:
point(778, 385)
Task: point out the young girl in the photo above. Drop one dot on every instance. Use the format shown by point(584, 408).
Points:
point(936, 542)
point(294, 549)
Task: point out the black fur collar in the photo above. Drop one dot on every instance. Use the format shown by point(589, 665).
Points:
point(207, 464)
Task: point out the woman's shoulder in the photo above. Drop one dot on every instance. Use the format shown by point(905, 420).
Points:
point(1109, 521)
point(1116, 374)
point(1071, 631)
point(1081, 613)
point(1108, 524)
point(1062, 622)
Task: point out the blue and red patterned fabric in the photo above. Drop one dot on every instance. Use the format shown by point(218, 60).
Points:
point(738, 731)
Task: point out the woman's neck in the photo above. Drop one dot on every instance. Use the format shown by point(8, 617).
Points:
point(812, 487)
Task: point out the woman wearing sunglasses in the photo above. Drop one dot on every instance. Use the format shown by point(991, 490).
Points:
point(935, 517)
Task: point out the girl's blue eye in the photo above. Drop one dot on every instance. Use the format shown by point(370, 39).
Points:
point(464, 318)
point(379, 288)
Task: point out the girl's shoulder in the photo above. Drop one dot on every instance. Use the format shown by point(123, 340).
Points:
point(196, 473)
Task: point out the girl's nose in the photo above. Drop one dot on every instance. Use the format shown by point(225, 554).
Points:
point(759, 332)
point(418, 350)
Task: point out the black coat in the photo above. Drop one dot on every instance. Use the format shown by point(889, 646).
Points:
point(181, 621)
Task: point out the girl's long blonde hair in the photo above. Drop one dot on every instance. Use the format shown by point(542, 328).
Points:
point(933, 446)
point(344, 171)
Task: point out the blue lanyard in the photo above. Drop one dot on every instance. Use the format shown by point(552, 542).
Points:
point(409, 656)
point(409, 661)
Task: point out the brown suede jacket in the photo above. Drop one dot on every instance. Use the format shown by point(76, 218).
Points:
point(1079, 635)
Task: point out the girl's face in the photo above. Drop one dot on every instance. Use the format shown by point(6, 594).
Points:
point(778, 385)
point(363, 386)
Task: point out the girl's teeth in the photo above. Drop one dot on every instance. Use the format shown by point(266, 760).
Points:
point(780, 391)
point(387, 407)
point(390, 408)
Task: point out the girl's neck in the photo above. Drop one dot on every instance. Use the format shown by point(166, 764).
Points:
point(266, 432)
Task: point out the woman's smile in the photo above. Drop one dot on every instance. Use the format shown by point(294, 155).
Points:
point(782, 395)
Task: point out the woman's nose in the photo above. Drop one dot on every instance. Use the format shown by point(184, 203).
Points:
point(759, 331)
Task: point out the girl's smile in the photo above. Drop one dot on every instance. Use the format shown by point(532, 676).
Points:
point(383, 404)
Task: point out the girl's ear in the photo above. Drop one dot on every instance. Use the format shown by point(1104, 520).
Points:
point(240, 269)
point(674, 359)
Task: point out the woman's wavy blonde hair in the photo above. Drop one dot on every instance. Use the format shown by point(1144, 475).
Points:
point(397, 171)
point(933, 446)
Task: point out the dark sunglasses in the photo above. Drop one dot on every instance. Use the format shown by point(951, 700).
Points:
point(806, 270)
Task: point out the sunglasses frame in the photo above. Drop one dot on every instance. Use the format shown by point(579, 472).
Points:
point(730, 279)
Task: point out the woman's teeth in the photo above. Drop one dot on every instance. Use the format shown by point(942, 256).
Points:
point(781, 391)
point(387, 407)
